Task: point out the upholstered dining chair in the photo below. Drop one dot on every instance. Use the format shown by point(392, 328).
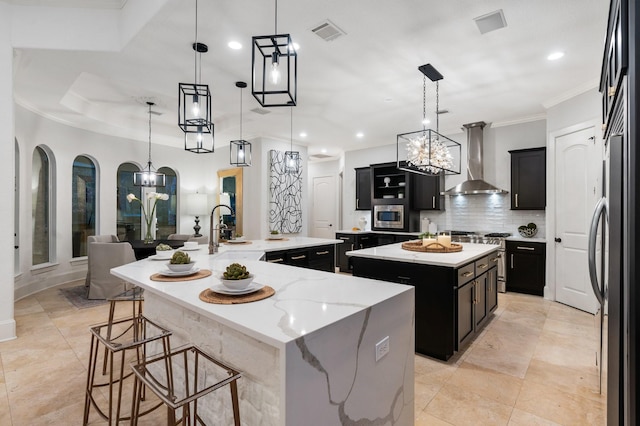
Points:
point(202, 239)
point(179, 237)
point(107, 238)
point(102, 257)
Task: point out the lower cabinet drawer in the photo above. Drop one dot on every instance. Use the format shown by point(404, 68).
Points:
point(297, 258)
point(275, 257)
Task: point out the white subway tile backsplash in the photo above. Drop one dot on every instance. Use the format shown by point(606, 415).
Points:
point(483, 214)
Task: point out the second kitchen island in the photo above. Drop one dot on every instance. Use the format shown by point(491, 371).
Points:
point(455, 293)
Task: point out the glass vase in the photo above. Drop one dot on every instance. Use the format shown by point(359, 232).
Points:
point(148, 238)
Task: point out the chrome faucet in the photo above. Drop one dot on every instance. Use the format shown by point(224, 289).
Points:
point(214, 232)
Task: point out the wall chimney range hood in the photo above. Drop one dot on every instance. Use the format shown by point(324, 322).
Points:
point(475, 183)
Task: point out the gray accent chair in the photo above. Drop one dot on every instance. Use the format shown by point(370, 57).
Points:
point(102, 257)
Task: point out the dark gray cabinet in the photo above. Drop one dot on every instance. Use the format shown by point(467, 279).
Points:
point(363, 188)
point(416, 192)
point(321, 258)
point(526, 267)
point(352, 242)
point(426, 192)
point(451, 304)
point(529, 179)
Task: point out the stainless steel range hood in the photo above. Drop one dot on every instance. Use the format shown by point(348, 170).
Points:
point(475, 183)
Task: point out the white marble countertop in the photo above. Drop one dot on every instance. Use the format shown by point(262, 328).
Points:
point(533, 240)
point(286, 243)
point(305, 301)
point(368, 231)
point(395, 252)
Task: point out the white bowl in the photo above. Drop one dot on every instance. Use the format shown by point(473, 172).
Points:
point(275, 236)
point(164, 254)
point(190, 244)
point(243, 238)
point(180, 267)
point(237, 284)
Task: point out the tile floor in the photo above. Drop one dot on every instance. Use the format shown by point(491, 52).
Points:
point(533, 364)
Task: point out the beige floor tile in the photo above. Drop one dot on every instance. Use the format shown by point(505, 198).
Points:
point(425, 419)
point(527, 338)
point(508, 354)
point(522, 418)
point(561, 407)
point(460, 407)
point(578, 381)
point(489, 384)
point(565, 350)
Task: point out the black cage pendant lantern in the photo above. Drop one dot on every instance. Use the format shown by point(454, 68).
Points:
point(292, 158)
point(240, 150)
point(274, 69)
point(426, 151)
point(194, 105)
point(149, 176)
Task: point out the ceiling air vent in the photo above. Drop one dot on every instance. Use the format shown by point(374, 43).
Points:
point(328, 31)
point(319, 156)
point(261, 111)
point(491, 21)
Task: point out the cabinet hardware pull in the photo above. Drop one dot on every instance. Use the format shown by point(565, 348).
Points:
point(276, 260)
point(351, 247)
point(408, 279)
point(467, 274)
point(483, 266)
point(516, 200)
point(433, 202)
point(475, 293)
point(302, 256)
point(511, 261)
point(357, 203)
point(361, 247)
point(344, 238)
point(494, 259)
point(525, 248)
point(327, 252)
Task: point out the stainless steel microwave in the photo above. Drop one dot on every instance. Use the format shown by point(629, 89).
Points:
point(389, 216)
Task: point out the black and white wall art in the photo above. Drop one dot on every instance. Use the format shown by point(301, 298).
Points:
point(285, 196)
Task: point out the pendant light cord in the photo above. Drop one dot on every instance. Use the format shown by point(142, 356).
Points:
point(424, 102)
point(195, 48)
point(437, 107)
point(149, 162)
point(291, 130)
point(276, 18)
point(241, 113)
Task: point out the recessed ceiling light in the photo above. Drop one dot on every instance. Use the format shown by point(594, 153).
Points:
point(359, 135)
point(235, 45)
point(426, 121)
point(323, 150)
point(555, 55)
point(303, 135)
point(388, 99)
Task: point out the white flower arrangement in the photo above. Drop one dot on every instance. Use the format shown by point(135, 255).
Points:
point(151, 196)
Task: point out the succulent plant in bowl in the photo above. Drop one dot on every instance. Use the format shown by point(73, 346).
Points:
point(180, 262)
point(236, 277)
point(529, 230)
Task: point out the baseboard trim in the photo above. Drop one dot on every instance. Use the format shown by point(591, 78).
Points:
point(7, 330)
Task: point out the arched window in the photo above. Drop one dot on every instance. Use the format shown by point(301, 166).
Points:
point(83, 203)
point(166, 211)
point(42, 206)
point(129, 214)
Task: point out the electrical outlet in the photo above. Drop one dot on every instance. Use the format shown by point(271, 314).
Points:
point(382, 348)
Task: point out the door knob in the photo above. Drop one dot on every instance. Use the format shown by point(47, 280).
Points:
point(558, 240)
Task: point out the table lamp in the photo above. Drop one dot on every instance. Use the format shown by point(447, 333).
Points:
point(197, 205)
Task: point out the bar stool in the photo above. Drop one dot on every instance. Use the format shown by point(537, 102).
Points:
point(133, 334)
point(188, 375)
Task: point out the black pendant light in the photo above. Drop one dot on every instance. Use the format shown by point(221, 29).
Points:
point(240, 150)
point(194, 105)
point(291, 158)
point(274, 68)
point(426, 151)
point(149, 176)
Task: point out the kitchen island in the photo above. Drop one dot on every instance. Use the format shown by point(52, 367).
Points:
point(455, 292)
point(307, 352)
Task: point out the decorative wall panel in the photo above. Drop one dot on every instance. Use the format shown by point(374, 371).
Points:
point(285, 196)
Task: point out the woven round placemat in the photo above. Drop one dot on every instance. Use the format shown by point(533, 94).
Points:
point(202, 273)
point(211, 296)
point(237, 243)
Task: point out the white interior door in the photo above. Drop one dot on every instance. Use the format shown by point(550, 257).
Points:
point(324, 207)
point(577, 189)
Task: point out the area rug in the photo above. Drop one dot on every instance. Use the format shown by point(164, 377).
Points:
point(78, 297)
